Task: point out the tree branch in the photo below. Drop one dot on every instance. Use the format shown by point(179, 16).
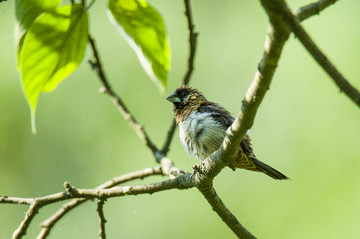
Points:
point(312, 9)
point(319, 56)
point(184, 181)
point(102, 220)
point(48, 224)
point(225, 214)
point(139, 129)
point(207, 170)
point(192, 41)
point(167, 166)
point(278, 34)
point(169, 137)
point(30, 214)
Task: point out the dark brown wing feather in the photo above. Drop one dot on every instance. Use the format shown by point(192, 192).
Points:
point(218, 113)
point(224, 117)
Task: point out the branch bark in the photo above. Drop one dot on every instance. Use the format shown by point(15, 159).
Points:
point(48, 224)
point(225, 214)
point(30, 214)
point(102, 220)
point(192, 41)
point(183, 181)
point(312, 9)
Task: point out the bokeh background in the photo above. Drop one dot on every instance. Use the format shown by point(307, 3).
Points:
point(305, 128)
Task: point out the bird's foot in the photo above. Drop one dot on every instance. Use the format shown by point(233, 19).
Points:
point(197, 170)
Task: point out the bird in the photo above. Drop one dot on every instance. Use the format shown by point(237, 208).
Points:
point(203, 124)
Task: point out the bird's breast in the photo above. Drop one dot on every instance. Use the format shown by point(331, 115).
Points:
point(201, 134)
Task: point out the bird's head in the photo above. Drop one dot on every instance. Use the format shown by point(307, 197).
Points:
point(186, 100)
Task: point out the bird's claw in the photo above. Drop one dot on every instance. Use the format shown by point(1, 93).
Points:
point(196, 169)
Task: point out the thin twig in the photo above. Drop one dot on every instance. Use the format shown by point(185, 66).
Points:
point(184, 181)
point(139, 129)
point(192, 41)
point(90, 5)
point(48, 224)
point(30, 214)
point(190, 68)
point(16, 200)
point(170, 136)
point(312, 9)
point(319, 56)
point(102, 220)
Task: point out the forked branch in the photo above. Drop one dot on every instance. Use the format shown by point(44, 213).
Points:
point(283, 22)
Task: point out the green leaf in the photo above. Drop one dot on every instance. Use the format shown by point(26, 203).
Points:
point(26, 12)
point(144, 29)
point(53, 48)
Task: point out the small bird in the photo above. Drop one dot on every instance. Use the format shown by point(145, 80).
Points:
point(203, 126)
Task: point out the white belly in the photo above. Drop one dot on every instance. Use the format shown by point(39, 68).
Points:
point(201, 135)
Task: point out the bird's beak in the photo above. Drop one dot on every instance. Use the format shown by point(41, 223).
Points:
point(173, 98)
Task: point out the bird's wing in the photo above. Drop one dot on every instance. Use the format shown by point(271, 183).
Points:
point(218, 113)
point(224, 117)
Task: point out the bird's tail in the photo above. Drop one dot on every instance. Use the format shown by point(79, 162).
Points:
point(262, 167)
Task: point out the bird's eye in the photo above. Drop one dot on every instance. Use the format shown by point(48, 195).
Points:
point(183, 93)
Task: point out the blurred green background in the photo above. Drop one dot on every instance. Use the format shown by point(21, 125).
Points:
point(305, 128)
